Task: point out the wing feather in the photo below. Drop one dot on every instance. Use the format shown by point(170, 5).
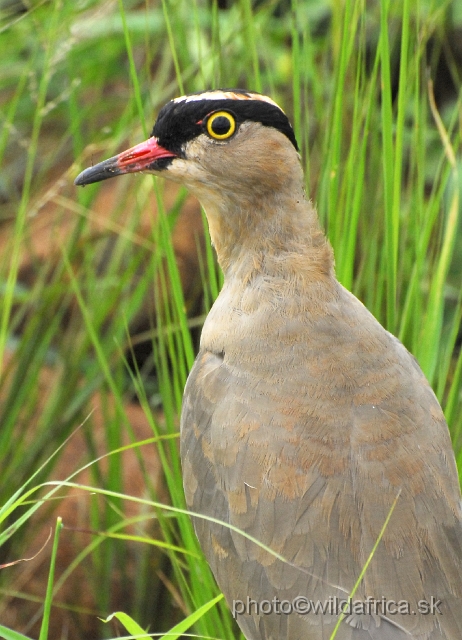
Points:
point(307, 454)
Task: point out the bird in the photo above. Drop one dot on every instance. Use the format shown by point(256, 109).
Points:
point(316, 458)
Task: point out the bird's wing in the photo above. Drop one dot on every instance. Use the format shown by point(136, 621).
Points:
point(308, 455)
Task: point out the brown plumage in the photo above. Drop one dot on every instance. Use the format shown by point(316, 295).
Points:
point(303, 419)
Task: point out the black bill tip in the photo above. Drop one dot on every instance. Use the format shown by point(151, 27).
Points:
point(101, 171)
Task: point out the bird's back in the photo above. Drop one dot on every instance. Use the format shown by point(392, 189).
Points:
point(303, 422)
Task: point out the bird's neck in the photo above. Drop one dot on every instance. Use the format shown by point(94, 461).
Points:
point(277, 236)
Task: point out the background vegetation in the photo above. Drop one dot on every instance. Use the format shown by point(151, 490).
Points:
point(99, 309)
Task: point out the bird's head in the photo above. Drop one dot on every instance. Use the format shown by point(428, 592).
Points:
point(236, 152)
point(215, 141)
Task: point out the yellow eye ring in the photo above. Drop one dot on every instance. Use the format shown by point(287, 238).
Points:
point(221, 125)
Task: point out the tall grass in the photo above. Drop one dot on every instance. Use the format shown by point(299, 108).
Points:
point(81, 81)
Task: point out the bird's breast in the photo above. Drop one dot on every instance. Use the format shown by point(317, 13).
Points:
point(328, 364)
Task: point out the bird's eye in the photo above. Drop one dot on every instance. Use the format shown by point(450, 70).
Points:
point(221, 125)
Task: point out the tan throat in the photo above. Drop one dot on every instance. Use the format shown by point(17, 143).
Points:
point(281, 236)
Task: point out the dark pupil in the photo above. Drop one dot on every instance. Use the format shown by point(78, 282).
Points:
point(221, 125)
